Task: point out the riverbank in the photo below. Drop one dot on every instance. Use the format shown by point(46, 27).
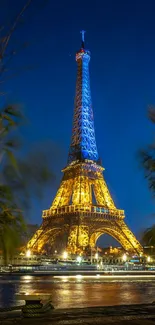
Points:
point(124, 314)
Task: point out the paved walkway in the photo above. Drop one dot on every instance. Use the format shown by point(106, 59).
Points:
point(116, 315)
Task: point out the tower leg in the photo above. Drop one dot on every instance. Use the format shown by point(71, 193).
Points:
point(120, 231)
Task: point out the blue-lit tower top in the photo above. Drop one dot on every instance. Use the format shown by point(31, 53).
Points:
point(83, 143)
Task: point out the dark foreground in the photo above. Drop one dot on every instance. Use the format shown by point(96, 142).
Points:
point(127, 314)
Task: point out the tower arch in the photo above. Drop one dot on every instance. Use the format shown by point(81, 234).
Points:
point(44, 236)
point(116, 233)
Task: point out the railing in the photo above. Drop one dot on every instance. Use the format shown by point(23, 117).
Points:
point(79, 208)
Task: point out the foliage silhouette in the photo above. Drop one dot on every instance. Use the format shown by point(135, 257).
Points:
point(21, 176)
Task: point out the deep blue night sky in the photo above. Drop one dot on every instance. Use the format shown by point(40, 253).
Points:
point(121, 38)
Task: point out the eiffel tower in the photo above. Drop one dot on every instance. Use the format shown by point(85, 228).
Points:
point(83, 208)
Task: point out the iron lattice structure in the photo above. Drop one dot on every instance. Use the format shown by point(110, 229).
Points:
point(83, 208)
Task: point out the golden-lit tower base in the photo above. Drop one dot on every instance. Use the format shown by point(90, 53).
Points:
point(81, 212)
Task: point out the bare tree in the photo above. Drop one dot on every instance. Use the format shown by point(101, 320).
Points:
point(147, 157)
point(5, 39)
point(20, 177)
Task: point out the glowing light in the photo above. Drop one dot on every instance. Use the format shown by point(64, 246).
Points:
point(149, 259)
point(65, 255)
point(96, 256)
point(143, 275)
point(79, 259)
point(55, 252)
point(79, 276)
point(64, 278)
point(124, 257)
point(98, 275)
point(28, 277)
point(28, 253)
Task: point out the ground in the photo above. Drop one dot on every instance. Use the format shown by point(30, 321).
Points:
point(117, 315)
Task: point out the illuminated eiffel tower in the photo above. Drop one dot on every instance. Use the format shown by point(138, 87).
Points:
point(83, 208)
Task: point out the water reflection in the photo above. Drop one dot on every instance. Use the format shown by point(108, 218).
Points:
point(78, 291)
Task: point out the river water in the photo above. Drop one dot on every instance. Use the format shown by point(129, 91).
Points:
point(78, 291)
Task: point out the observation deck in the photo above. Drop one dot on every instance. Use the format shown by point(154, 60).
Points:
point(85, 211)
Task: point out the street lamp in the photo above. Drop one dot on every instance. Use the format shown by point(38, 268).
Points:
point(79, 259)
point(124, 257)
point(28, 253)
point(65, 255)
point(96, 256)
point(149, 259)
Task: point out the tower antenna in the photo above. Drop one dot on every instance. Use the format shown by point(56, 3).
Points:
point(83, 32)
